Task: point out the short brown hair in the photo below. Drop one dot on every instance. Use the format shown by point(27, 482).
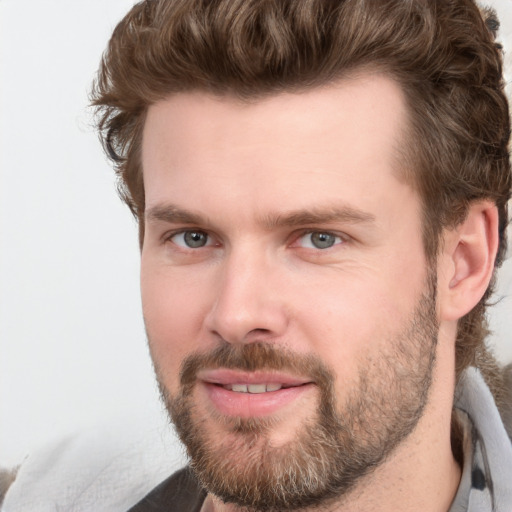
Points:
point(442, 52)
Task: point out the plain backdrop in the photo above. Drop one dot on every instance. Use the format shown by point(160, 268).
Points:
point(72, 344)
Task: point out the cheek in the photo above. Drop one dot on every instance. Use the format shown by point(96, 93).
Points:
point(344, 326)
point(357, 316)
point(173, 312)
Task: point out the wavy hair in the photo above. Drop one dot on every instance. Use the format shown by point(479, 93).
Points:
point(442, 52)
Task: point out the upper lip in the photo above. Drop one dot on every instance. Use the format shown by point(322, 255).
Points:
point(224, 377)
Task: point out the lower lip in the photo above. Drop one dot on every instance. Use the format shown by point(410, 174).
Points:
point(251, 405)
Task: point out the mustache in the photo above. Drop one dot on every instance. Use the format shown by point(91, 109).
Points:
point(256, 356)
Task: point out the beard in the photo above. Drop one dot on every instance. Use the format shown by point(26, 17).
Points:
point(342, 442)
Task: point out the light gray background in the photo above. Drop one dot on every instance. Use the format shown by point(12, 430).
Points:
point(72, 344)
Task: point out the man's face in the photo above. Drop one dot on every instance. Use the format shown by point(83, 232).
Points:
point(288, 305)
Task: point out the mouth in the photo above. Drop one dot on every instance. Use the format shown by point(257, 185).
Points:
point(255, 388)
point(251, 394)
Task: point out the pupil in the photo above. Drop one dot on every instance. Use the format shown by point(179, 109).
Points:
point(195, 238)
point(322, 240)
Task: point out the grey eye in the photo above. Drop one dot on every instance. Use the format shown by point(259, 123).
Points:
point(319, 240)
point(195, 239)
point(322, 240)
point(191, 239)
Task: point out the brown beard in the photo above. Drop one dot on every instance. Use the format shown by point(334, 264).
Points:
point(333, 450)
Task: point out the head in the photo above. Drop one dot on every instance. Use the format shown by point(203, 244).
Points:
point(442, 53)
point(238, 61)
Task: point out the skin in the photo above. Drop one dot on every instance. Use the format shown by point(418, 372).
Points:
point(240, 169)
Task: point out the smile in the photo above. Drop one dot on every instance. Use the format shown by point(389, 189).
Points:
point(252, 394)
point(253, 388)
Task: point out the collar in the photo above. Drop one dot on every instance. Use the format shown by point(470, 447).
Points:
point(487, 471)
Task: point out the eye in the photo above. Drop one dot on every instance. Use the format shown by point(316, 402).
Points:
point(191, 239)
point(319, 240)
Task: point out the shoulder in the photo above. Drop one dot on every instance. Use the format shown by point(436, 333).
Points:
point(103, 469)
point(180, 491)
point(506, 405)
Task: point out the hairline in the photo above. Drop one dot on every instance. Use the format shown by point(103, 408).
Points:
point(406, 161)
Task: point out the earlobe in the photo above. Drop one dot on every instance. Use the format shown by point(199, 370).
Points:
point(472, 248)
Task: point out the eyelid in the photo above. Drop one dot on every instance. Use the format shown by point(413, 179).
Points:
point(212, 239)
point(342, 236)
point(169, 235)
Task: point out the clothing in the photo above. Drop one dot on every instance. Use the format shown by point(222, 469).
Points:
point(105, 468)
point(180, 492)
point(115, 470)
point(486, 483)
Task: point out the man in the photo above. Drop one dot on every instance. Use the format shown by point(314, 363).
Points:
point(321, 189)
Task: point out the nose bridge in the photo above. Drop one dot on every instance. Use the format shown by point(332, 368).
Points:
point(247, 303)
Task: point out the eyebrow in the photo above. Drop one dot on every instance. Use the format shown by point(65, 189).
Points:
point(344, 214)
point(173, 214)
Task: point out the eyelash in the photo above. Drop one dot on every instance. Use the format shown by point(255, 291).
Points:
point(340, 239)
point(169, 236)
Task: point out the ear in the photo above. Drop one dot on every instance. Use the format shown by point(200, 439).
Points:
point(466, 265)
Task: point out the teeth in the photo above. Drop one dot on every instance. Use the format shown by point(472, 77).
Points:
point(256, 388)
point(253, 388)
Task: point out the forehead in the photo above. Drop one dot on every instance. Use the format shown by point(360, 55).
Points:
point(270, 151)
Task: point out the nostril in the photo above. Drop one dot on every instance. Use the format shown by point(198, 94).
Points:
point(259, 332)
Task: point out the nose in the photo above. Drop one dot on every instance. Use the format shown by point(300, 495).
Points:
point(249, 301)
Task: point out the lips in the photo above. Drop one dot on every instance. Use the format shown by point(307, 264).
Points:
point(251, 394)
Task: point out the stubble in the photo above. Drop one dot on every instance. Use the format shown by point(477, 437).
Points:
point(345, 439)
